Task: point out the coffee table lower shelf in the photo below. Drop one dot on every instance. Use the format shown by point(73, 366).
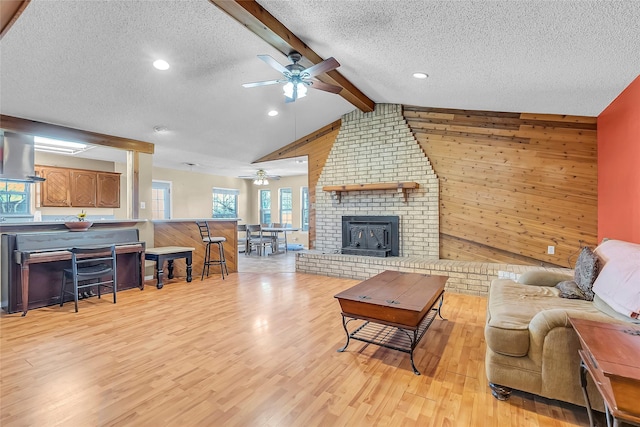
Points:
point(391, 336)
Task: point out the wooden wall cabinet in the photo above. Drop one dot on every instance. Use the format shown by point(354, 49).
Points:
point(78, 188)
point(55, 191)
point(108, 190)
point(83, 188)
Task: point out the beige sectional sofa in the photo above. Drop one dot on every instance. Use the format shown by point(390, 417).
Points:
point(531, 345)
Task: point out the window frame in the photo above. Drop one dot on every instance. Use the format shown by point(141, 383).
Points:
point(282, 191)
point(262, 212)
point(234, 193)
point(6, 193)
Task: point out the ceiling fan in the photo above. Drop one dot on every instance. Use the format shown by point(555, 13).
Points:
point(261, 177)
point(297, 78)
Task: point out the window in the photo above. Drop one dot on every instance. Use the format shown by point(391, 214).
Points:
point(15, 198)
point(286, 206)
point(161, 200)
point(265, 206)
point(225, 203)
point(304, 215)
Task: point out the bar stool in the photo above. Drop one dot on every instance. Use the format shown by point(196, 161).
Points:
point(88, 264)
point(209, 240)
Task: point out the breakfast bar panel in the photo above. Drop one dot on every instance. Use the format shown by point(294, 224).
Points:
point(184, 232)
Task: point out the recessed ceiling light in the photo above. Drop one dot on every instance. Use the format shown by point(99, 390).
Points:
point(420, 75)
point(161, 64)
point(272, 113)
point(160, 129)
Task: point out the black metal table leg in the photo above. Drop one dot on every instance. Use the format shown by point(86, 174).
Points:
point(583, 384)
point(440, 306)
point(414, 343)
point(344, 325)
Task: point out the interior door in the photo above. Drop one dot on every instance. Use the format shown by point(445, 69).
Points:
point(161, 199)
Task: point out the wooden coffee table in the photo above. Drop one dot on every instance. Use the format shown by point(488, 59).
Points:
point(397, 309)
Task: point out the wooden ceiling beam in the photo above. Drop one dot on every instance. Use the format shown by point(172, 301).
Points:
point(257, 20)
point(10, 11)
point(47, 130)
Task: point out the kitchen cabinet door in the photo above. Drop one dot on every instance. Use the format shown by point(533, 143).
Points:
point(55, 190)
point(83, 188)
point(108, 190)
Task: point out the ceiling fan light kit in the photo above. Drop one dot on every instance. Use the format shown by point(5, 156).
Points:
point(261, 177)
point(297, 78)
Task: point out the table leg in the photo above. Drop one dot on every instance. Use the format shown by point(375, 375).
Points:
point(344, 325)
point(414, 342)
point(170, 268)
point(159, 272)
point(189, 261)
point(25, 288)
point(440, 306)
point(142, 267)
point(583, 384)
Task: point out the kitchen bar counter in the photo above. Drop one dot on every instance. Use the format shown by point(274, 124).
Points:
point(184, 232)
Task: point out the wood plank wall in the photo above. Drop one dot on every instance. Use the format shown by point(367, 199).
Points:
point(511, 184)
point(186, 233)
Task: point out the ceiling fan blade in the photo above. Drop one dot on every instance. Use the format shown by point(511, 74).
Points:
point(322, 67)
point(264, 83)
point(273, 63)
point(317, 84)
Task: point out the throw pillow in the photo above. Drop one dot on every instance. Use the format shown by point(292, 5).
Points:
point(619, 282)
point(569, 289)
point(586, 272)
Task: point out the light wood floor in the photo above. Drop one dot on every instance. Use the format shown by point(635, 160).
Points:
point(257, 349)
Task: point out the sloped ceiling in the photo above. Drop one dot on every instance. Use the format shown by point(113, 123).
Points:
point(87, 65)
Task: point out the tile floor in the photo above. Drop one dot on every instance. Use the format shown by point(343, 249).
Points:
point(281, 263)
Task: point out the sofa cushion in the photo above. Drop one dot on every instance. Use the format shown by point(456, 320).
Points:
point(586, 271)
point(542, 277)
point(618, 284)
point(511, 306)
point(570, 289)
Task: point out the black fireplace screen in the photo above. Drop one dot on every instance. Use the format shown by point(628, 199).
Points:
point(370, 235)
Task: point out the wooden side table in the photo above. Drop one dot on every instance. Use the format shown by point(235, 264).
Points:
point(611, 355)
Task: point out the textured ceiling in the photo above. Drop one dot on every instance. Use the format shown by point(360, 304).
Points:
point(87, 65)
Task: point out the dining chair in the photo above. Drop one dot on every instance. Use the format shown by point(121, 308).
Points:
point(243, 240)
point(277, 238)
point(257, 239)
point(89, 264)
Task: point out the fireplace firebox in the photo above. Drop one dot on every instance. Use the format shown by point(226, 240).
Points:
point(370, 235)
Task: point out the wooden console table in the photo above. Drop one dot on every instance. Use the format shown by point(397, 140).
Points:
point(397, 309)
point(611, 355)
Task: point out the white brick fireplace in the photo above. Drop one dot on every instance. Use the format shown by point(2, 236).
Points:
point(373, 148)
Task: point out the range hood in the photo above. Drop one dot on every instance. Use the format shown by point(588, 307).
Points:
point(17, 154)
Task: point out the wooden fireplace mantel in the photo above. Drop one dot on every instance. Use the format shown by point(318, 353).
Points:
point(401, 187)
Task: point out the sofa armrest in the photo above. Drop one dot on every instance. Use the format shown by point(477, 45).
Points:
point(543, 278)
point(543, 324)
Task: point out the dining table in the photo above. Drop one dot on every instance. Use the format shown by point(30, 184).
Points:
point(274, 231)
